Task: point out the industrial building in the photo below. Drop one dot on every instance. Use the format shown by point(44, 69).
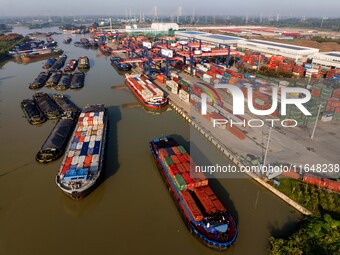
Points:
point(156, 28)
point(326, 59)
point(298, 53)
point(209, 38)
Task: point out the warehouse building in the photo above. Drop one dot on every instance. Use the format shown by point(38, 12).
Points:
point(208, 37)
point(327, 59)
point(298, 53)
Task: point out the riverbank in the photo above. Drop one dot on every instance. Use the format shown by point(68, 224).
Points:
point(227, 152)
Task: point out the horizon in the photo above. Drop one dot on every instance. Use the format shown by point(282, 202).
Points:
point(264, 8)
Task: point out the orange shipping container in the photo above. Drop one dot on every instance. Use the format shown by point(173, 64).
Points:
point(237, 132)
point(181, 168)
point(190, 203)
point(176, 150)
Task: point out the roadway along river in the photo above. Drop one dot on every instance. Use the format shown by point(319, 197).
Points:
point(131, 212)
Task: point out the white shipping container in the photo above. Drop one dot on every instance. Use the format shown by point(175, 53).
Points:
point(195, 98)
point(208, 80)
point(92, 138)
point(159, 92)
point(70, 154)
point(218, 76)
point(76, 153)
point(87, 138)
point(91, 114)
point(82, 115)
point(171, 84)
point(197, 52)
point(207, 65)
point(207, 76)
point(91, 144)
point(75, 160)
point(81, 159)
point(185, 99)
point(174, 74)
point(206, 49)
point(95, 158)
point(183, 93)
point(80, 165)
point(174, 90)
point(79, 145)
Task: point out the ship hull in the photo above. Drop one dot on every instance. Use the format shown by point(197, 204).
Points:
point(150, 106)
point(174, 194)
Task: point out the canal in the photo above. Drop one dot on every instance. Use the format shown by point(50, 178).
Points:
point(131, 212)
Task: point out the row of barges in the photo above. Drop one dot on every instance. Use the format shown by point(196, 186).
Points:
point(59, 80)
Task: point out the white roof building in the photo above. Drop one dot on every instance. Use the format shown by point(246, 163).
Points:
point(286, 50)
point(327, 59)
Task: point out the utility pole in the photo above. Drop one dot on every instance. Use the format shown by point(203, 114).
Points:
point(316, 122)
point(266, 152)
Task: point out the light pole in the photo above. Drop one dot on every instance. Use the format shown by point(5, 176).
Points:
point(316, 122)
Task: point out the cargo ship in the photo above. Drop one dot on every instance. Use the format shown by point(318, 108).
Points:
point(54, 79)
point(67, 40)
point(59, 63)
point(64, 82)
point(55, 144)
point(82, 165)
point(147, 92)
point(49, 63)
point(116, 62)
point(202, 211)
point(43, 54)
point(66, 104)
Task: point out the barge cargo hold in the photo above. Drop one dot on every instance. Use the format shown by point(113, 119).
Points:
point(203, 213)
point(55, 144)
point(82, 165)
point(64, 82)
point(59, 63)
point(49, 63)
point(65, 104)
point(146, 92)
point(45, 103)
point(54, 79)
point(40, 81)
point(77, 81)
point(32, 112)
point(71, 65)
point(83, 62)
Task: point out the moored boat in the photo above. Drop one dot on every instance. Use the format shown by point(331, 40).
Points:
point(45, 103)
point(65, 104)
point(54, 79)
point(49, 63)
point(59, 63)
point(117, 62)
point(146, 92)
point(71, 65)
point(67, 40)
point(106, 50)
point(55, 144)
point(64, 82)
point(77, 81)
point(82, 165)
point(40, 81)
point(32, 112)
point(202, 211)
point(83, 62)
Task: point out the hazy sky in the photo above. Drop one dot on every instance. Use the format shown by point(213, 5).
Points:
point(320, 8)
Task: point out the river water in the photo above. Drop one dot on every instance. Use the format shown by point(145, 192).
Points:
point(131, 212)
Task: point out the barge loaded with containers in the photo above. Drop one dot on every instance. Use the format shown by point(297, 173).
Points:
point(147, 92)
point(117, 62)
point(83, 162)
point(201, 210)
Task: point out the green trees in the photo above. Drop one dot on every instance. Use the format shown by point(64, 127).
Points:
point(316, 236)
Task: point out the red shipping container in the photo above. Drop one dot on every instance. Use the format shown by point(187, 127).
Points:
point(175, 159)
point(77, 134)
point(173, 170)
point(81, 139)
point(186, 166)
point(332, 185)
point(68, 161)
point(316, 92)
point(65, 168)
point(181, 158)
point(186, 156)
